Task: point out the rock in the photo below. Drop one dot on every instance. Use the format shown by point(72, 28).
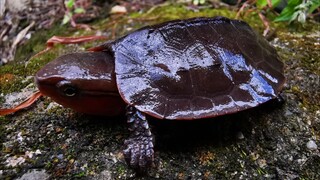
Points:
point(118, 10)
point(262, 163)
point(34, 175)
point(60, 156)
point(37, 152)
point(15, 161)
point(14, 99)
point(2, 8)
point(106, 175)
point(240, 135)
point(288, 113)
point(312, 145)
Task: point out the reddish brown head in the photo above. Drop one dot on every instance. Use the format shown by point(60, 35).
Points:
point(84, 82)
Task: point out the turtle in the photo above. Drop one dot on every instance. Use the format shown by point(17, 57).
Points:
point(186, 69)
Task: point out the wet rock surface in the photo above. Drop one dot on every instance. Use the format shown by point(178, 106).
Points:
point(273, 141)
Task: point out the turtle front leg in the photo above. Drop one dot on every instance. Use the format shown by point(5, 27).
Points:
point(139, 152)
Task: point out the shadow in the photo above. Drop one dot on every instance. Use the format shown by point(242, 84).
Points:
point(187, 135)
point(84, 120)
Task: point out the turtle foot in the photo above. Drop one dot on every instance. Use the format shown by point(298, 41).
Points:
point(139, 152)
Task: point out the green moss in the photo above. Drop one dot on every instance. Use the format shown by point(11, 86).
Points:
point(11, 77)
point(81, 174)
point(2, 99)
point(13, 74)
point(171, 12)
point(176, 11)
point(12, 85)
point(261, 172)
point(3, 122)
point(48, 165)
point(38, 41)
point(301, 51)
point(305, 49)
point(121, 169)
point(35, 64)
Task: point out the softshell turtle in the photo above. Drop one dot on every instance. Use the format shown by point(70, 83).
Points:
point(179, 70)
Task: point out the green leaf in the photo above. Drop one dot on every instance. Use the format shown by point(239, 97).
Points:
point(202, 1)
point(66, 18)
point(79, 10)
point(294, 16)
point(69, 4)
point(315, 4)
point(288, 12)
point(263, 3)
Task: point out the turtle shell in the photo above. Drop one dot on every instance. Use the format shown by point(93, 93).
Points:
point(196, 68)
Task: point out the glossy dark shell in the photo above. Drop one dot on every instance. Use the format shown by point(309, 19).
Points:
point(196, 68)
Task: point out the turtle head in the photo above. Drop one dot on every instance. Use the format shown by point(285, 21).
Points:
point(84, 82)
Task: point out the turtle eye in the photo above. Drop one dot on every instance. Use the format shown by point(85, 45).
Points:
point(70, 91)
point(67, 88)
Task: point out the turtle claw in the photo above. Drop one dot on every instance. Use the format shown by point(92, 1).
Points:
point(138, 151)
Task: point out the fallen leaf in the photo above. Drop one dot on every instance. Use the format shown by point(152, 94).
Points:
point(68, 40)
point(28, 102)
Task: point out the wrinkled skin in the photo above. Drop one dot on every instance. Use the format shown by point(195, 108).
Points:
point(180, 70)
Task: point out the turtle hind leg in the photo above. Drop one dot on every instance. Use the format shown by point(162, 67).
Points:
point(278, 101)
point(139, 152)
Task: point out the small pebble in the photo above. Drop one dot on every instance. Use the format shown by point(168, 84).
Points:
point(157, 176)
point(15, 161)
point(37, 152)
point(288, 113)
point(240, 135)
point(262, 163)
point(118, 10)
point(312, 145)
point(60, 156)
